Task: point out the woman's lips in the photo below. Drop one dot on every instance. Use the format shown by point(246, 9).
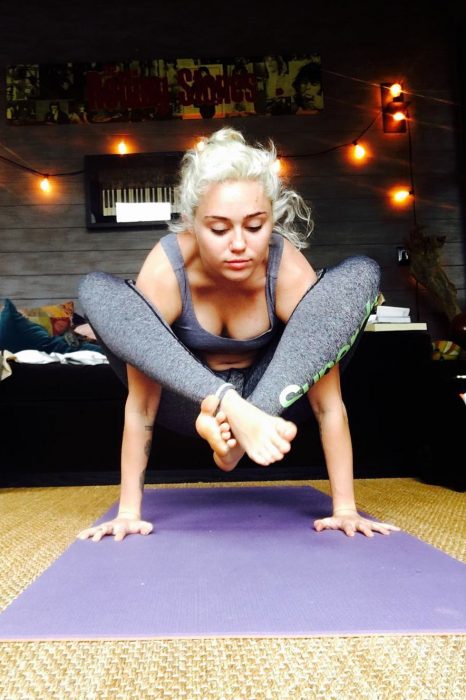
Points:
point(237, 264)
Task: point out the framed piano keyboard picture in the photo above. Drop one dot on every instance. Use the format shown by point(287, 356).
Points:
point(135, 190)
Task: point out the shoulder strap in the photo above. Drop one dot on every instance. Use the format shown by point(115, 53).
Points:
point(275, 256)
point(173, 252)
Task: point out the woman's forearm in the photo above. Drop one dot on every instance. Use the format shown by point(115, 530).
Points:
point(135, 450)
point(336, 444)
point(141, 409)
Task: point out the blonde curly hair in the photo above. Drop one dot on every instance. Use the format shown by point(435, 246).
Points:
point(227, 156)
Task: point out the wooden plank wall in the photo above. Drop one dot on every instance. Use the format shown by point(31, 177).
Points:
point(44, 245)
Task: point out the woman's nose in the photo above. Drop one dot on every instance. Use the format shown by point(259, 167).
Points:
point(238, 241)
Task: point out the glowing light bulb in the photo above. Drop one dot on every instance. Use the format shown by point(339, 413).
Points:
point(277, 165)
point(359, 152)
point(399, 116)
point(200, 144)
point(400, 196)
point(122, 148)
point(45, 184)
point(395, 90)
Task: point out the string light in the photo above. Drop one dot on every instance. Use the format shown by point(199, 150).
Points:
point(45, 184)
point(401, 195)
point(393, 108)
point(359, 152)
point(395, 89)
point(399, 116)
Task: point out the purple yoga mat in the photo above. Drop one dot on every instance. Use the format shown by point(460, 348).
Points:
point(241, 562)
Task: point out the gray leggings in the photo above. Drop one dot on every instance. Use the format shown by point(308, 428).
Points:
point(321, 331)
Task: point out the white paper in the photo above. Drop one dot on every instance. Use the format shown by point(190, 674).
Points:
point(385, 310)
point(132, 212)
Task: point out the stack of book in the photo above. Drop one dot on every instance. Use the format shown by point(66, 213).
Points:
point(393, 318)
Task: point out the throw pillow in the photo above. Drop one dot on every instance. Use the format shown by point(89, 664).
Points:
point(55, 318)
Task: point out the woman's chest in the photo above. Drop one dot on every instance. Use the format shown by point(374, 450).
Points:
point(240, 316)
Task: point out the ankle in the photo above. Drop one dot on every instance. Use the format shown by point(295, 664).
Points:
point(230, 399)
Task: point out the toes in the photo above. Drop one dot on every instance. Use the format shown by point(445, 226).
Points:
point(286, 429)
point(267, 454)
point(283, 446)
point(284, 433)
point(220, 417)
point(210, 404)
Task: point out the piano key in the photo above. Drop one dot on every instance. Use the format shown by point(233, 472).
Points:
point(139, 195)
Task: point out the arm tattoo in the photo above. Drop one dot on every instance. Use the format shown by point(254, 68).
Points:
point(141, 480)
point(147, 446)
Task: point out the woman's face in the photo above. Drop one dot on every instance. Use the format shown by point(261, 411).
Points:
point(233, 225)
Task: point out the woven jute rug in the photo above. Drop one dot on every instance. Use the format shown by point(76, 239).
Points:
point(39, 523)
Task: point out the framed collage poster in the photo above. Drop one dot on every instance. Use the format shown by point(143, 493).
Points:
point(152, 89)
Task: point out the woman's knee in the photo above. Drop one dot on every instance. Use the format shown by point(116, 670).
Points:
point(362, 267)
point(94, 286)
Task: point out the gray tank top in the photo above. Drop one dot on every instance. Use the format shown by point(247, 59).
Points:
point(187, 327)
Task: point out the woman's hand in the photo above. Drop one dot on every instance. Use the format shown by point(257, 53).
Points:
point(120, 526)
point(351, 522)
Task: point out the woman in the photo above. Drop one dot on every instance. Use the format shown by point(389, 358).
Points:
point(228, 316)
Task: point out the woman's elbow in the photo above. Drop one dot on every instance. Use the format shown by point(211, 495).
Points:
point(334, 410)
point(145, 406)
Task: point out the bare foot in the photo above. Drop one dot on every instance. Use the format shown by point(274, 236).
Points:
point(228, 461)
point(265, 439)
point(215, 428)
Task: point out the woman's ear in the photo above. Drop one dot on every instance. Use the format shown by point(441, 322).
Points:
point(187, 223)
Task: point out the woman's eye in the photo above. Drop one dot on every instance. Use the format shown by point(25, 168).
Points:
point(219, 230)
point(253, 229)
